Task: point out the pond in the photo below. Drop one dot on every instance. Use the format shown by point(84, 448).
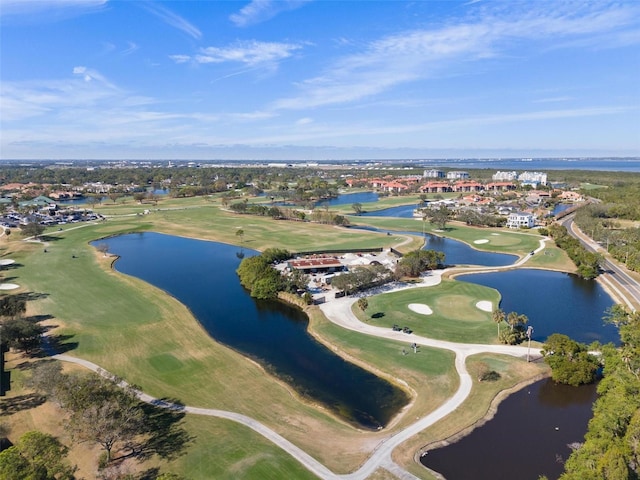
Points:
point(402, 211)
point(555, 302)
point(202, 276)
point(459, 253)
point(348, 199)
point(529, 436)
point(456, 252)
point(560, 207)
point(80, 201)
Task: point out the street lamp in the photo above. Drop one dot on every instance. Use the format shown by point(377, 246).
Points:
point(529, 332)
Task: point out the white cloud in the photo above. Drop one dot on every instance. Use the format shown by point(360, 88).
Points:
point(553, 100)
point(180, 58)
point(420, 54)
point(304, 121)
point(90, 74)
point(373, 132)
point(62, 8)
point(172, 19)
point(249, 53)
point(131, 47)
point(258, 11)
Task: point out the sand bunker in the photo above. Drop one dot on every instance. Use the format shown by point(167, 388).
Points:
point(485, 305)
point(496, 234)
point(420, 308)
point(438, 230)
point(8, 286)
point(482, 240)
point(6, 261)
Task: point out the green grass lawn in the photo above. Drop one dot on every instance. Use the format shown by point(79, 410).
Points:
point(553, 258)
point(145, 336)
point(148, 338)
point(497, 239)
point(591, 186)
point(455, 316)
point(223, 449)
point(428, 363)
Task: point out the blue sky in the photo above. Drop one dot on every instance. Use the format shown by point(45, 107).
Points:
point(315, 80)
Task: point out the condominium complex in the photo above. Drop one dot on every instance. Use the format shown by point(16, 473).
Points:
point(457, 175)
point(526, 178)
point(433, 173)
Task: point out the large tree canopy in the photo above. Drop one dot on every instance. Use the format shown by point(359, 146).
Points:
point(570, 361)
point(418, 261)
point(36, 456)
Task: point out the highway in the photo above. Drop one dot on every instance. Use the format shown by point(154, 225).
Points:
point(615, 277)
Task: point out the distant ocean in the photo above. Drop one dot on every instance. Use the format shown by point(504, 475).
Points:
point(538, 164)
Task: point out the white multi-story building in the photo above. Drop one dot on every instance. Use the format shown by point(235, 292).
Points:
point(457, 175)
point(520, 220)
point(505, 176)
point(433, 173)
point(533, 178)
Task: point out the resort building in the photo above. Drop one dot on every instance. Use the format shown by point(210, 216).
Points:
point(571, 196)
point(317, 264)
point(436, 187)
point(500, 186)
point(468, 187)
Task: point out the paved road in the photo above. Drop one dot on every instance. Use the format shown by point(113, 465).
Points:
point(615, 277)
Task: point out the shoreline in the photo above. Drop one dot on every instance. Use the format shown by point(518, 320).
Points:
point(491, 412)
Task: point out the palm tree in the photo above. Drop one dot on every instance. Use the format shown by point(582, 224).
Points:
point(513, 319)
point(498, 316)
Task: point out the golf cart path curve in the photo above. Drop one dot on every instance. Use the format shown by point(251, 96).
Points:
point(339, 312)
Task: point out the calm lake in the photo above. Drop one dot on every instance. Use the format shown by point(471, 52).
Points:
point(529, 436)
point(202, 276)
point(555, 302)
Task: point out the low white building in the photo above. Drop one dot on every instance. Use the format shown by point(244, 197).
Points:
point(520, 220)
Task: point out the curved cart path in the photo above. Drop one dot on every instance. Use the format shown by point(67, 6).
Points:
point(339, 312)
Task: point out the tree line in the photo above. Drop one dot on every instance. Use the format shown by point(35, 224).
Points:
point(588, 263)
point(98, 410)
point(601, 223)
point(611, 449)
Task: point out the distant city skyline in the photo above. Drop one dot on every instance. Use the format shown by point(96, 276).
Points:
point(318, 80)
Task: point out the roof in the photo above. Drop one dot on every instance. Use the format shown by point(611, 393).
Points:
point(309, 263)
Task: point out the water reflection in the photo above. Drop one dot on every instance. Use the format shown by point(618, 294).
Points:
point(529, 436)
point(403, 211)
point(348, 199)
